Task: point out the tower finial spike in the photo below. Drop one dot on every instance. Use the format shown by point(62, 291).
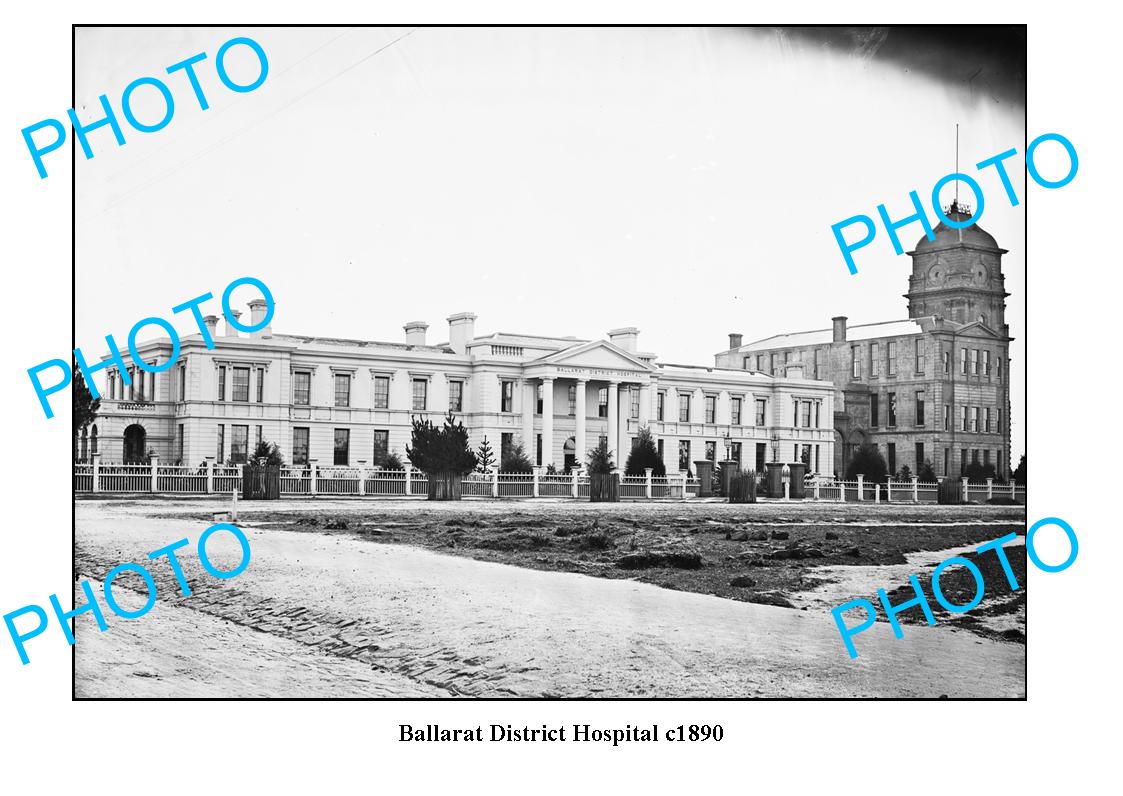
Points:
point(957, 164)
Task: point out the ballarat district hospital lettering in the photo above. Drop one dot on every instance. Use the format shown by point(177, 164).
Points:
point(581, 732)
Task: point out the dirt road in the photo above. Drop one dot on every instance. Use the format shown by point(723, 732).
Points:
point(319, 615)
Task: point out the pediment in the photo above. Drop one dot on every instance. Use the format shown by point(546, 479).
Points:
point(598, 355)
point(979, 329)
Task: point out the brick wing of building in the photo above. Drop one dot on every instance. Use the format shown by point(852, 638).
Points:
point(350, 402)
point(933, 388)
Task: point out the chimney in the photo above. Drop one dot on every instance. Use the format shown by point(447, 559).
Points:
point(734, 340)
point(415, 332)
point(839, 328)
point(461, 330)
point(793, 370)
point(257, 315)
point(211, 322)
point(230, 330)
point(627, 338)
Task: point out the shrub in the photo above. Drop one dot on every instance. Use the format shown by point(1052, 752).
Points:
point(867, 461)
point(600, 460)
point(392, 461)
point(270, 452)
point(977, 473)
point(926, 473)
point(441, 450)
point(515, 460)
point(1020, 472)
point(644, 454)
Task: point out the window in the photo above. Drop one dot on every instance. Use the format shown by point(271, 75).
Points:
point(381, 446)
point(998, 367)
point(239, 439)
point(735, 452)
point(962, 460)
point(684, 454)
point(299, 445)
point(947, 417)
point(660, 406)
point(342, 447)
point(891, 456)
point(221, 383)
point(261, 385)
point(178, 441)
point(986, 420)
point(974, 361)
point(257, 439)
point(456, 396)
point(787, 357)
point(760, 454)
point(891, 368)
point(986, 364)
point(93, 440)
point(602, 402)
point(735, 411)
point(874, 404)
point(963, 361)
point(920, 407)
point(963, 418)
point(974, 456)
point(772, 364)
point(381, 392)
point(1001, 472)
point(711, 408)
point(684, 408)
point(711, 450)
point(746, 362)
point(602, 441)
point(538, 397)
point(998, 422)
point(918, 353)
point(342, 389)
point(805, 416)
point(974, 419)
point(420, 394)
point(875, 365)
point(947, 461)
point(659, 447)
point(947, 361)
point(892, 407)
point(221, 457)
point(818, 363)
point(760, 362)
point(302, 388)
point(986, 457)
point(506, 442)
point(919, 456)
point(538, 450)
point(573, 400)
point(855, 362)
point(507, 396)
point(635, 402)
point(761, 410)
point(181, 383)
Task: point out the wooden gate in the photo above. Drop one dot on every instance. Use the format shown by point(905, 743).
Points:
point(603, 488)
point(742, 488)
point(261, 483)
point(445, 486)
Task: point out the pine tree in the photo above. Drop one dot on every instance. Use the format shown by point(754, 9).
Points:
point(486, 457)
point(644, 454)
point(600, 460)
point(868, 462)
point(441, 450)
point(84, 405)
point(515, 460)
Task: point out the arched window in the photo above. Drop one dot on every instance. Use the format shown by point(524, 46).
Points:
point(93, 440)
point(85, 452)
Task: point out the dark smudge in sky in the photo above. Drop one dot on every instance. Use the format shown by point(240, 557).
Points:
point(983, 61)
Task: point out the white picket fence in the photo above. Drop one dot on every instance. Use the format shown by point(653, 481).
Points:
point(366, 482)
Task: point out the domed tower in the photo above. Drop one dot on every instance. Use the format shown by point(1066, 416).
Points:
point(958, 275)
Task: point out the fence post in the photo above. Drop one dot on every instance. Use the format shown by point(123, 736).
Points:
point(990, 488)
point(647, 471)
point(816, 489)
point(787, 489)
point(964, 482)
point(877, 492)
point(362, 478)
point(97, 472)
point(210, 474)
point(409, 479)
point(495, 483)
point(1013, 487)
point(534, 471)
point(311, 476)
point(155, 467)
point(916, 489)
point(861, 487)
point(889, 490)
point(841, 490)
point(576, 482)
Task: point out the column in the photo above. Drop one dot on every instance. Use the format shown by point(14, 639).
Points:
point(547, 422)
point(614, 418)
point(528, 417)
point(623, 447)
point(582, 448)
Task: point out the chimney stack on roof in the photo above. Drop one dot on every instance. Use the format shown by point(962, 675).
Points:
point(839, 328)
point(734, 340)
point(627, 338)
point(415, 332)
point(257, 315)
point(211, 322)
point(230, 330)
point(461, 331)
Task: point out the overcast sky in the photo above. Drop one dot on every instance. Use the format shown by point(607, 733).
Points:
point(554, 181)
